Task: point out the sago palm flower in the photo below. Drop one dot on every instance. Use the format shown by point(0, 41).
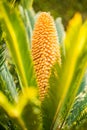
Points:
point(45, 50)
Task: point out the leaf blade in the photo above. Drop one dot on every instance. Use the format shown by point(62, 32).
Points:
point(17, 43)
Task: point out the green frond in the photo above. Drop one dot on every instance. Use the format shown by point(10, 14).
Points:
point(52, 99)
point(6, 123)
point(18, 44)
point(81, 121)
point(2, 56)
point(61, 35)
point(26, 113)
point(79, 106)
point(25, 17)
point(2, 49)
point(60, 30)
point(73, 69)
point(31, 15)
point(6, 82)
point(29, 20)
point(66, 80)
point(27, 3)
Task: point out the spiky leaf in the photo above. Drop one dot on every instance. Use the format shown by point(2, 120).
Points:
point(18, 44)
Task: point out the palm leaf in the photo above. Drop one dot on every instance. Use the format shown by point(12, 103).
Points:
point(79, 105)
point(25, 114)
point(28, 19)
point(76, 72)
point(28, 103)
point(18, 44)
point(66, 89)
point(60, 30)
point(61, 35)
point(6, 82)
point(27, 3)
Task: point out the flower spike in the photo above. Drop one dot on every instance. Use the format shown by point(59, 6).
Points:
point(45, 50)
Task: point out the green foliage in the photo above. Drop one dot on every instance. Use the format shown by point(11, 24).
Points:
point(6, 81)
point(7, 84)
point(64, 106)
point(71, 68)
point(18, 44)
point(75, 116)
point(27, 4)
point(60, 30)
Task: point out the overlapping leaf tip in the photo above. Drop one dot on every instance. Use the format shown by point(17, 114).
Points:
point(45, 50)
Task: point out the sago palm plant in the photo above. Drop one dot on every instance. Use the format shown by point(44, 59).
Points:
point(43, 79)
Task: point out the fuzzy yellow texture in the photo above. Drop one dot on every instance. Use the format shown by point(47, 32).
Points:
point(45, 50)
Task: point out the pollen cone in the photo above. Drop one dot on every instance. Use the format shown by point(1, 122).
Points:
point(45, 50)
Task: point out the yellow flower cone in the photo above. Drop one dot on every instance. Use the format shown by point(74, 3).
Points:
point(45, 50)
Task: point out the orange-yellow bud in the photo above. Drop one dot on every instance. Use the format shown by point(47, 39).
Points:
point(45, 50)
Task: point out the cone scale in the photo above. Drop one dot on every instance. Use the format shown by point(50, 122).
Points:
point(45, 50)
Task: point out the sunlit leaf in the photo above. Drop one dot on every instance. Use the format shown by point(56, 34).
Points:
point(18, 44)
point(73, 69)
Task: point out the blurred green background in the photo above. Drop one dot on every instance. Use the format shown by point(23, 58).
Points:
point(62, 8)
